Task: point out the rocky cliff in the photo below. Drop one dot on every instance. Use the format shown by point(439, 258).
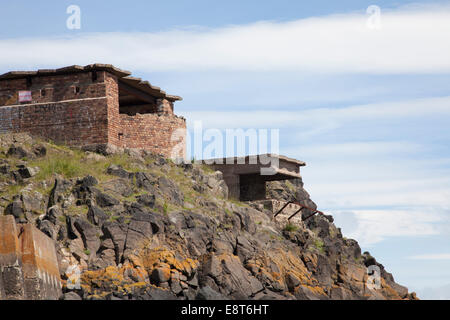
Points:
point(134, 225)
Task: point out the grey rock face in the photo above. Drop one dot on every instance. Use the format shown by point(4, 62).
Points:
point(167, 231)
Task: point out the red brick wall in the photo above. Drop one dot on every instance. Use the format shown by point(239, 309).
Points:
point(151, 131)
point(54, 88)
point(76, 110)
point(63, 114)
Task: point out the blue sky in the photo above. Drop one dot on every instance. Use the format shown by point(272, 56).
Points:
point(368, 110)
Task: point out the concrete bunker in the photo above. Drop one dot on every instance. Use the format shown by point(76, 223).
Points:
point(246, 177)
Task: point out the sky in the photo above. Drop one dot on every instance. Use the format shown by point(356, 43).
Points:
point(364, 102)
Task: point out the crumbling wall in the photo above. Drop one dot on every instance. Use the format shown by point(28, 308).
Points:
point(81, 109)
point(282, 218)
point(153, 132)
point(28, 263)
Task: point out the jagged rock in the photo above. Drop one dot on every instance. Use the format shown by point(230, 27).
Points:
point(145, 181)
point(88, 181)
point(230, 276)
point(147, 200)
point(48, 228)
point(217, 185)
point(5, 168)
point(96, 215)
point(160, 160)
point(206, 293)
point(15, 208)
point(27, 172)
point(104, 200)
point(306, 293)
point(292, 282)
point(171, 190)
point(77, 249)
point(39, 150)
point(118, 171)
point(158, 248)
point(58, 193)
point(17, 151)
point(106, 256)
point(244, 249)
point(72, 232)
point(53, 214)
point(247, 223)
point(160, 274)
point(32, 201)
point(117, 232)
point(154, 293)
point(89, 234)
point(71, 296)
point(119, 187)
point(141, 227)
point(220, 246)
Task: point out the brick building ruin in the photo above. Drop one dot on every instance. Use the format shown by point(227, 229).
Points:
point(93, 107)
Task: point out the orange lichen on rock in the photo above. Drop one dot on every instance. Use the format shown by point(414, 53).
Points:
point(158, 257)
point(277, 265)
point(113, 279)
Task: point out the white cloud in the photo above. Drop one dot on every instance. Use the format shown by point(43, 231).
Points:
point(437, 256)
point(318, 120)
point(411, 40)
point(436, 293)
point(373, 226)
point(349, 149)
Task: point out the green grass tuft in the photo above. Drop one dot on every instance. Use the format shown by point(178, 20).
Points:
point(290, 227)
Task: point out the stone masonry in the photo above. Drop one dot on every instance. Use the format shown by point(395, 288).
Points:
point(93, 106)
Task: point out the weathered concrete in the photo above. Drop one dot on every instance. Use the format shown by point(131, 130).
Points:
point(246, 177)
point(11, 276)
point(28, 263)
point(40, 265)
point(275, 206)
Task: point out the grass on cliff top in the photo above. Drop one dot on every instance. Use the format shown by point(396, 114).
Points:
point(72, 163)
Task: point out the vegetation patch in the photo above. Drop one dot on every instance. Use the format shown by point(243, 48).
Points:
point(290, 227)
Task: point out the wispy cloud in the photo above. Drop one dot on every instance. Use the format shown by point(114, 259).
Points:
point(411, 40)
point(435, 256)
point(319, 119)
point(359, 149)
point(373, 226)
